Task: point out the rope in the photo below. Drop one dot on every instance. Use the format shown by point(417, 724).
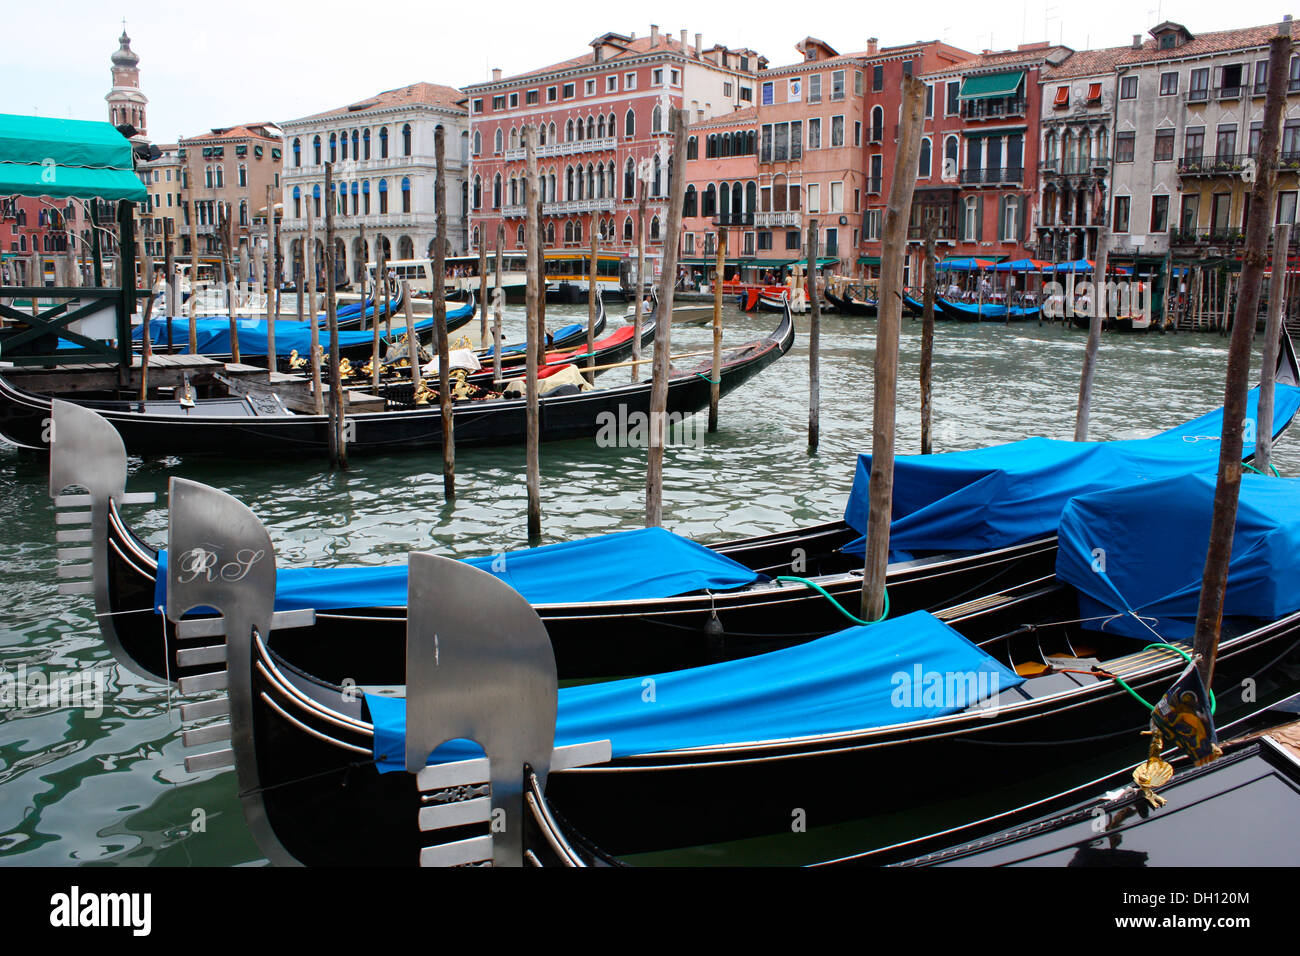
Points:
point(838, 606)
point(1272, 467)
point(711, 381)
point(1134, 694)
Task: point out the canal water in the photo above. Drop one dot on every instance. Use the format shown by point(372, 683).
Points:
point(107, 785)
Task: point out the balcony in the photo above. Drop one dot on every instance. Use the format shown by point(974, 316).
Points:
point(1230, 92)
point(1074, 165)
point(994, 108)
point(786, 217)
point(734, 219)
point(874, 185)
point(942, 233)
point(1206, 236)
point(875, 134)
point(1202, 165)
point(993, 176)
point(571, 148)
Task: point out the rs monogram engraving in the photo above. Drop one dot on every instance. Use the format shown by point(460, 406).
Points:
point(202, 563)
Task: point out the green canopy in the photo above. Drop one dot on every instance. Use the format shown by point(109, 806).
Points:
point(990, 85)
point(868, 260)
point(62, 159)
point(712, 261)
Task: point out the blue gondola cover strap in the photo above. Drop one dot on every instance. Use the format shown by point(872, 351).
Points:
point(908, 668)
point(1129, 550)
point(646, 563)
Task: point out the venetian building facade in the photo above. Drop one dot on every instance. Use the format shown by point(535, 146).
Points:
point(1187, 125)
point(127, 104)
point(721, 191)
point(227, 170)
point(384, 168)
point(603, 123)
point(1078, 103)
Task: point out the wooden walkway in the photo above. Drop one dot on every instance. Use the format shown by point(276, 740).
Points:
point(164, 371)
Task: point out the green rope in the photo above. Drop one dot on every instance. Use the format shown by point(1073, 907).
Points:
point(1164, 647)
point(1272, 467)
point(718, 381)
point(839, 607)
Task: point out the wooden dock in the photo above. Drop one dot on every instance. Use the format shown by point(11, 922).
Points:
point(165, 371)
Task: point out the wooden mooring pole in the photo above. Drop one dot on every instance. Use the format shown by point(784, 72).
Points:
point(927, 339)
point(536, 293)
point(440, 315)
point(814, 344)
point(1100, 306)
point(654, 484)
point(592, 292)
point(1209, 614)
point(318, 405)
point(272, 286)
point(498, 307)
point(715, 380)
point(1272, 344)
point(338, 429)
point(640, 279)
point(483, 289)
point(888, 325)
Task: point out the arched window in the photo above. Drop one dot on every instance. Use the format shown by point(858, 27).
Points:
point(315, 145)
point(627, 229)
point(629, 123)
point(736, 199)
point(568, 232)
point(474, 242)
point(688, 204)
point(550, 233)
point(315, 199)
point(383, 142)
point(600, 127)
point(406, 140)
point(692, 148)
point(383, 196)
point(751, 197)
point(568, 131)
point(478, 143)
point(710, 201)
point(514, 137)
point(343, 144)
point(365, 143)
point(580, 182)
point(657, 119)
point(496, 191)
point(611, 126)
point(553, 139)
point(519, 236)
point(297, 152)
point(581, 129)
point(514, 191)
point(297, 203)
point(609, 184)
point(365, 197)
point(877, 124)
point(591, 128)
point(568, 183)
point(577, 231)
point(334, 148)
point(221, 176)
point(356, 144)
point(551, 182)
point(478, 192)
point(498, 141)
point(600, 180)
point(724, 200)
point(654, 229)
point(356, 198)
point(655, 185)
point(406, 194)
point(591, 181)
point(950, 157)
point(541, 137)
point(923, 163)
point(629, 179)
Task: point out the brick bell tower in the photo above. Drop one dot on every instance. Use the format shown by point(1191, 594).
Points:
point(126, 104)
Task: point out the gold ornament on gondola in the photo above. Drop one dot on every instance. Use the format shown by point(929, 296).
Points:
point(423, 394)
point(1154, 772)
point(345, 369)
point(296, 361)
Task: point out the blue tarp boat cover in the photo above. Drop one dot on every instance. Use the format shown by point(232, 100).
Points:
point(563, 332)
point(1005, 494)
point(903, 669)
point(1142, 549)
point(628, 565)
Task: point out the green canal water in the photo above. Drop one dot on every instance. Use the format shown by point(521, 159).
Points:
point(84, 787)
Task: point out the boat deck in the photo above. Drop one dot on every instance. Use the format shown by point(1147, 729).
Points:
point(164, 371)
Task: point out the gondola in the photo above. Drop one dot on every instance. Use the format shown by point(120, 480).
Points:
point(916, 307)
point(1116, 323)
point(942, 562)
point(257, 426)
point(570, 338)
point(729, 750)
point(988, 311)
point(851, 306)
point(1211, 815)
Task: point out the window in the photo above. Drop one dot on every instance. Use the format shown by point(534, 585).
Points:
point(406, 194)
point(568, 91)
point(315, 146)
point(815, 133)
point(837, 85)
point(383, 142)
point(953, 104)
point(727, 89)
point(1164, 150)
point(406, 140)
point(837, 131)
point(857, 133)
point(1232, 81)
point(629, 81)
point(814, 197)
point(1128, 88)
point(857, 82)
point(792, 239)
point(478, 106)
point(1293, 75)
point(1124, 147)
point(877, 79)
point(383, 196)
point(923, 162)
point(929, 100)
point(675, 77)
point(1010, 219)
point(1062, 99)
point(768, 94)
point(657, 77)
point(1286, 205)
point(794, 89)
point(611, 83)
point(796, 139)
point(1194, 142)
point(747, 93)
point(871, 225)
point(1168, 84)
point(1120, 221)
point(1291, 141)
point(837, 197)
point(499, 101)
point(629, 123)
point(1199, 87)
point(877, 124)
point(243, 175)
point(297, 152)
point(589, 88)
point(532, 97)
point(1256, 133)
point(1225, 143)
point(1159, 213)
point(815, 88)
point(498, 141)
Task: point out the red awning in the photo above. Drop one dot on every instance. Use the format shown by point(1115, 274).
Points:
point(1062, 96)
point(1094, 92)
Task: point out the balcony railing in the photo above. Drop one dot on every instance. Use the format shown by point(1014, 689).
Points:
point(987, 109)
point(734, 219)
point(1231, 165)
point(941, 233)
point(1073, 165)
point(570, 148)
point(994, 175)
point(1207, 235)
point(1198, 96)
point(1230, 92)
point(787, 217)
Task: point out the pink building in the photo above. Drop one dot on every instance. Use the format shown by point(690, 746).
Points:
point(721, 192)
point(602, 125)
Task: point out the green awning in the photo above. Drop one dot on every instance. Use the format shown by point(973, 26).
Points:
point(65, 159)
point(868, 260)
point(712, 261)
point(822, 262)
point(989, 85)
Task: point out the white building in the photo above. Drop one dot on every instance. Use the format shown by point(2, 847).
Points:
point(382, 149)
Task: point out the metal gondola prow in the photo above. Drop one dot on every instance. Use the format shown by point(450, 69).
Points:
point(86, 452)
point(1288, 369)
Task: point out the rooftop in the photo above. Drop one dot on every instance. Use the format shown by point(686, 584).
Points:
point(417, 94)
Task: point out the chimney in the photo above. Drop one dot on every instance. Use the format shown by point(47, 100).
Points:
point(873, 45)
point(1137, 41)
point(496, 75)
point(654, 34)
point(699, 49)
point(683, 42)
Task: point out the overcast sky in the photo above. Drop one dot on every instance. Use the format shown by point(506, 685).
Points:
point(240, 61)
